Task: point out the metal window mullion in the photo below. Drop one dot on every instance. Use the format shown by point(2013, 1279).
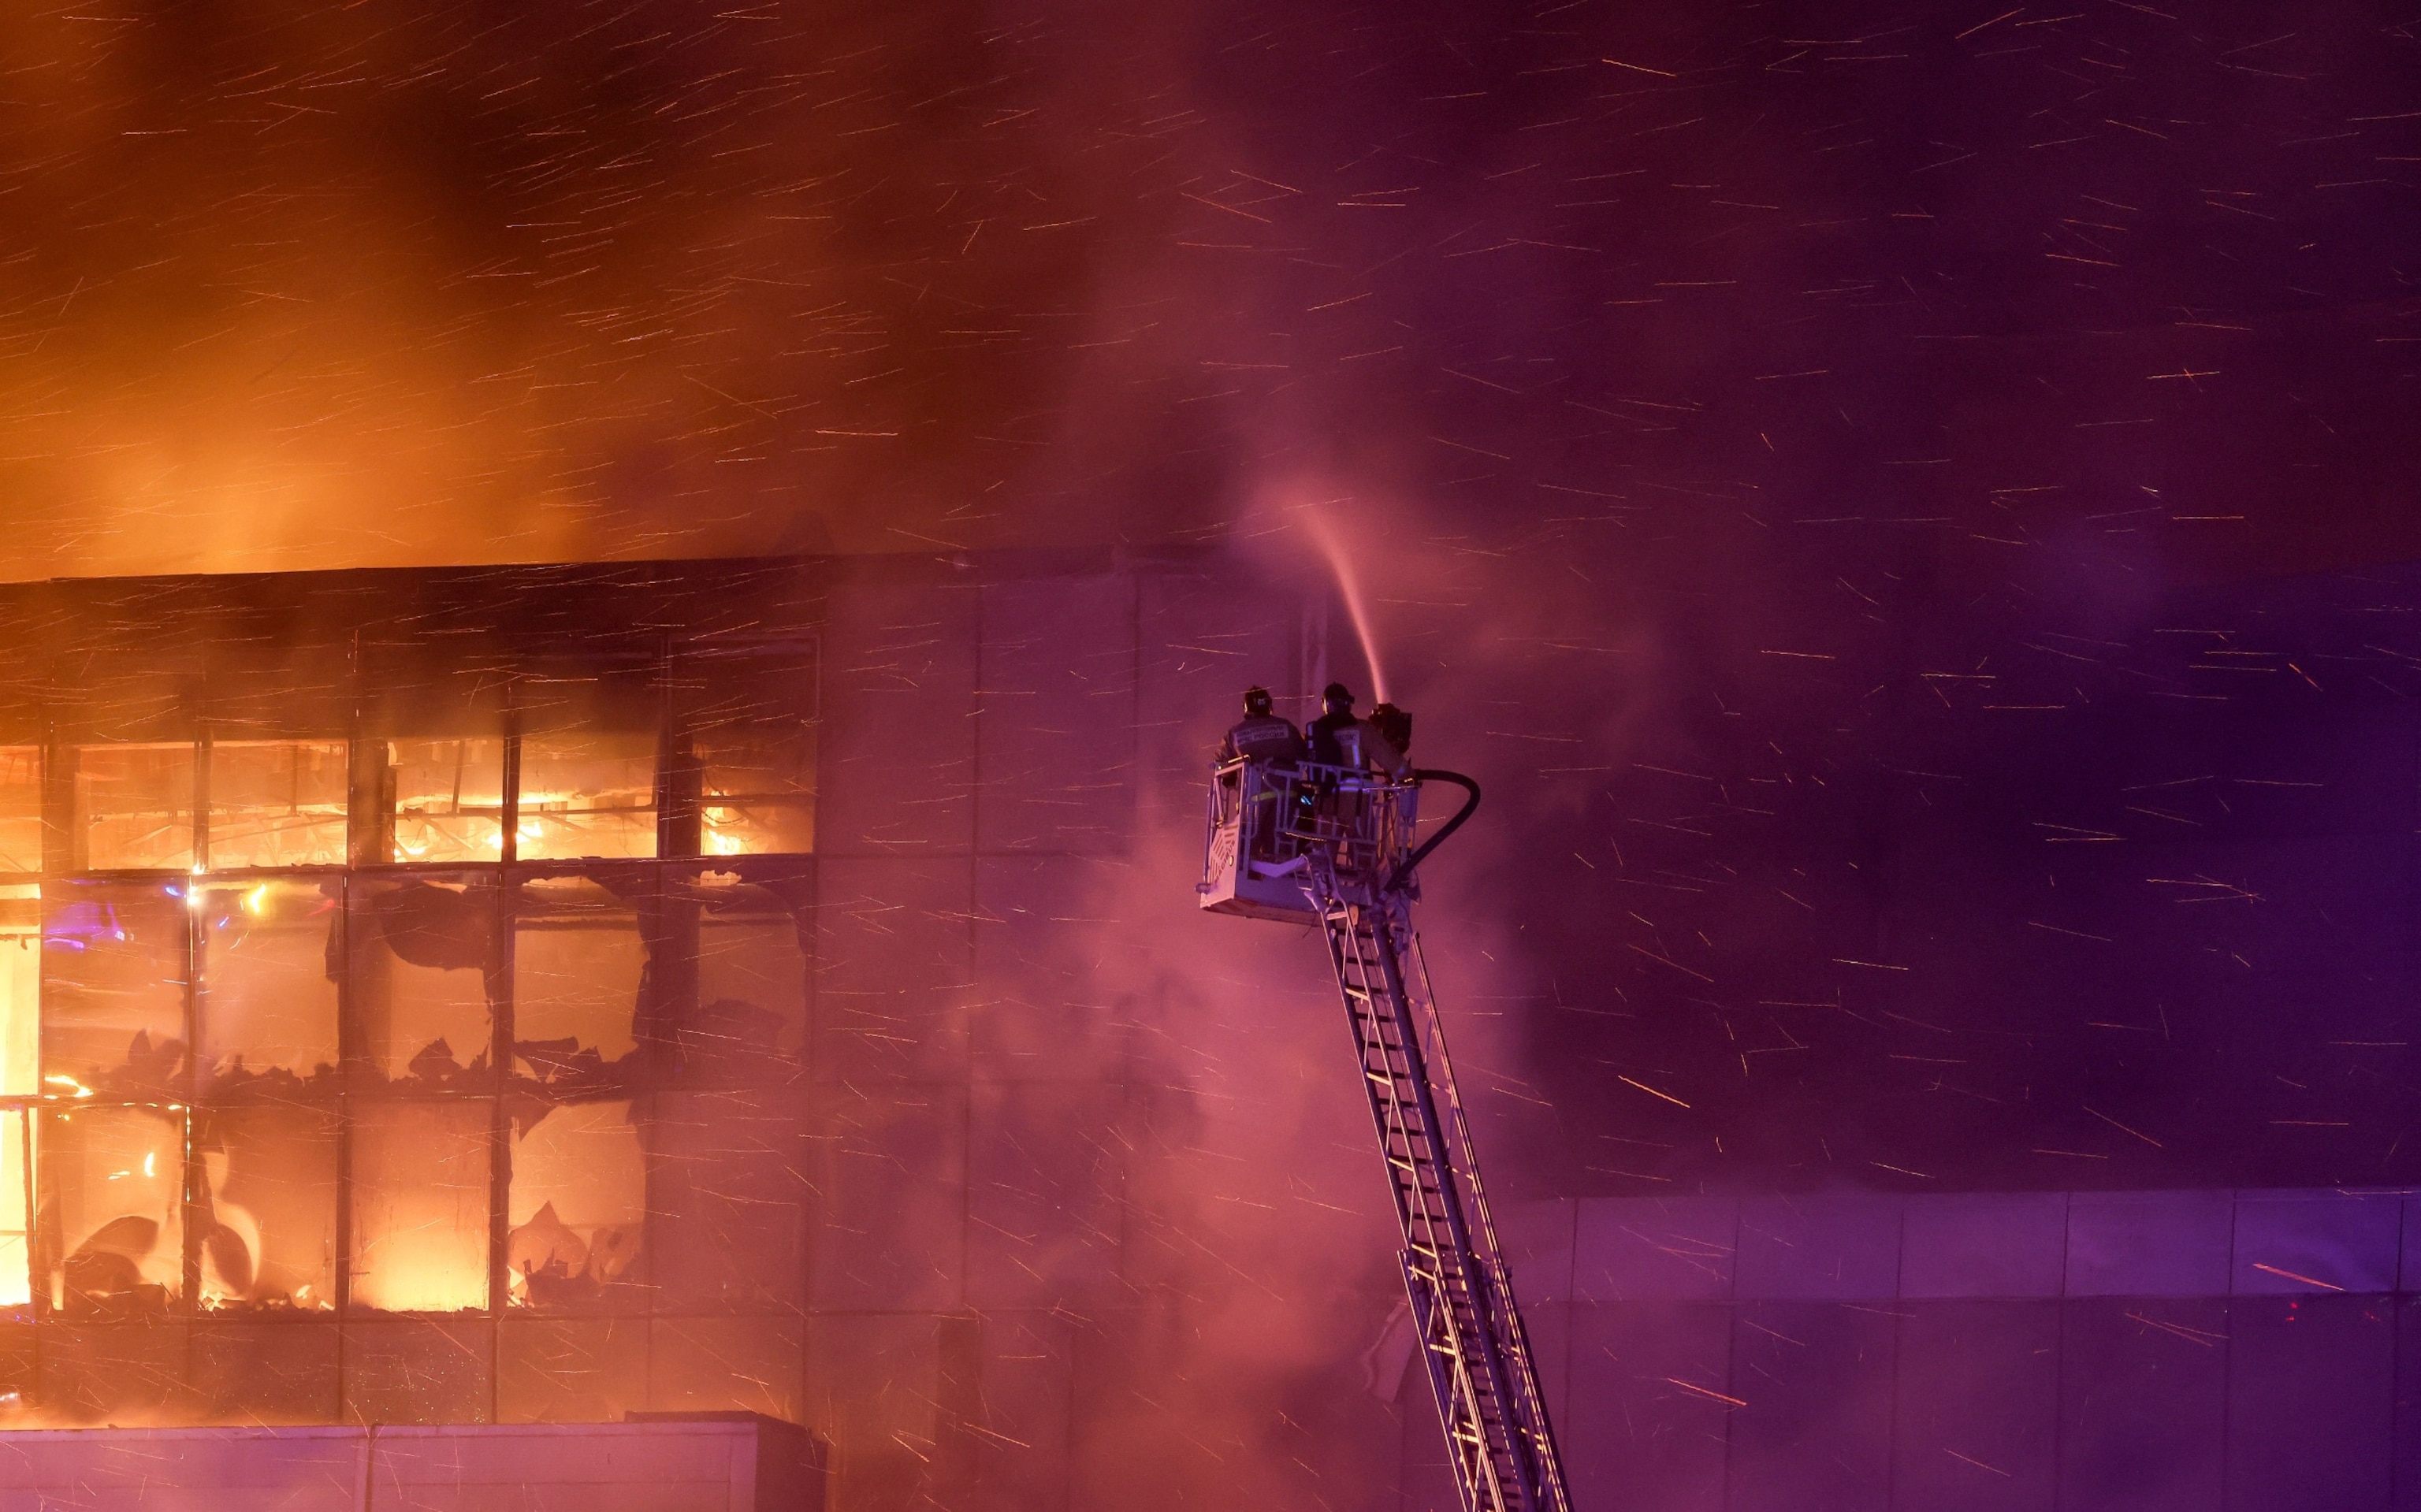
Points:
point(500, 1056)
point(500, 1053)
point(508, 847)
point(348, 1059)
point(201, 843)
point(193, 1176)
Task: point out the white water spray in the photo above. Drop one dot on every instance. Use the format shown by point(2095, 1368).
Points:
point(1349, 586)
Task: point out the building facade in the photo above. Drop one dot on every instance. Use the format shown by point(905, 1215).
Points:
point(540, 994)
point(401, 968)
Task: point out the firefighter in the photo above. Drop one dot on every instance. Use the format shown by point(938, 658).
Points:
point(1336, 735)
point(1264, 737)
point(1261, 734)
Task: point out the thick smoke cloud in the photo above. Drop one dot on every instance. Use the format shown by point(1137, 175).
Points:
point(370, 283)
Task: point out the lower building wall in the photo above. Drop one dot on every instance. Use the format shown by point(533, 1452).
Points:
point(2045, 1351)
point(720, 1466)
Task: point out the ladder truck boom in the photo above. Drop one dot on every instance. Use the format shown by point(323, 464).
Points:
point(1332, 846)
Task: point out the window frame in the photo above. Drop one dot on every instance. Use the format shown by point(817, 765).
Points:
point(657, 1071)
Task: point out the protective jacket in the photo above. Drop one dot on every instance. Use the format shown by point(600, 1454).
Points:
point(1263, 738)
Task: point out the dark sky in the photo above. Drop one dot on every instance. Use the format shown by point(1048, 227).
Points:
point(1736, 398)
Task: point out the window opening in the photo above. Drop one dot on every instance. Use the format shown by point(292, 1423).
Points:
point(21, 808)
point(115, 1205)
point(135, 806)
point(579, 966)
point(752, 981)
point(758, 790)
point(578, 1208)
point(16, 1237)
point(448, 799)
point(420, 1185)
point(21, 980)
point(421, 951)
point(113, 1006)
point(269, 955)
point(277, 803)
point(588, 794)
point(265, 1207)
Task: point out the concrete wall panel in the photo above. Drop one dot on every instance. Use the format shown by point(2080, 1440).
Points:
point(418, 1370)
point(2406, 1491)
point(895, 970)
point(2143, 1402)
point(571, 1371)
point(1043, 1008)
point(1027, 1388)
point(889, 1231)
point(896, 758)
point(1976, 1422)
point(2311, 1389)
point(1046, 1192)
point(1837, 1245)
point(1984, 1244)
point(1056, 709)
point(2150, 1243)
point(1656, 1249)
point(1814, 1432)
point(1649, 1418)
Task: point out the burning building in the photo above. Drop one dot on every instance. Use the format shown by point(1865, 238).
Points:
point(547, 994)
point(409, 979)
point(1933, 980)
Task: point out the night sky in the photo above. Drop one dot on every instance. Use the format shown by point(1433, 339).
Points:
point(1827, 468)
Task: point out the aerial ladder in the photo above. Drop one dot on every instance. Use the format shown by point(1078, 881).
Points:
point(1333, 846)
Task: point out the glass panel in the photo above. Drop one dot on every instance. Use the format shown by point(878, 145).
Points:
point(114, 1179)
point(277, 803)
point(21, 977)
point(420, 952)
point(751, 979)
point(449, 799)
point(420, 1206)
point(759, 788)
point(587, 795)
point(16, 1254)
point(21, 808)
point(114, 987)
point(578, 963)
point(135, 806)
point(267, 1212)
point(579, 1206)
point(268, 1007)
